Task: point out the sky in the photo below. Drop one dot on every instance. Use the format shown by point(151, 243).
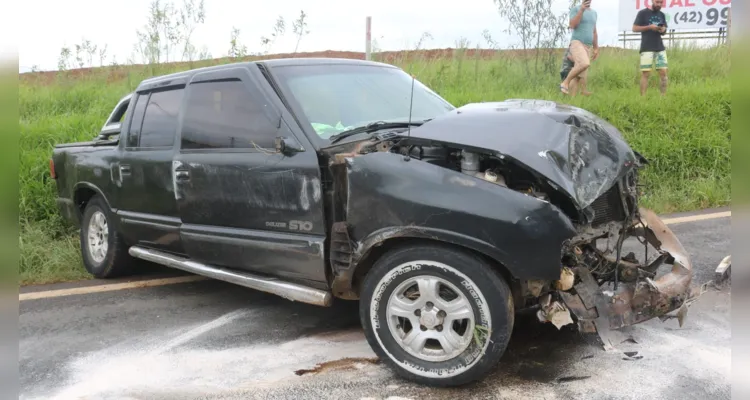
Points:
point(333, 25)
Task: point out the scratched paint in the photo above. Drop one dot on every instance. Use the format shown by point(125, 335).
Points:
point(175, 187)
point(309, 187)
point(316, 189)
point(304, 198)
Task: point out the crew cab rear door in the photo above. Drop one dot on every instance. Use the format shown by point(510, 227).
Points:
point(142, 173)
point(242, 204)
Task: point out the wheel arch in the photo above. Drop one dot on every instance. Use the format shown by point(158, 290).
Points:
point(83, 192)
point(348, 283)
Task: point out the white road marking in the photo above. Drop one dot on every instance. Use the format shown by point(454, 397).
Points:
point(199, 330)
point(699, 217)
point(109, 287)
point(192, 278)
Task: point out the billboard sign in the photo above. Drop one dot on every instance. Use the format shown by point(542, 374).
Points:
point(681, 14)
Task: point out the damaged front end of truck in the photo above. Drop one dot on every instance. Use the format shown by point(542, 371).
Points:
point(548, 192)
point(605, 290)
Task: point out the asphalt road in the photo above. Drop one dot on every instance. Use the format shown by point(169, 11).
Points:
point(214, 340)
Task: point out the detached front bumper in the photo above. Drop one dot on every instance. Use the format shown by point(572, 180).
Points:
point(641, 298)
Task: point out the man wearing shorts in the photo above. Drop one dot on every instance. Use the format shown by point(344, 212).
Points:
point(567, 66)
point(652, 24)
point(584, 45)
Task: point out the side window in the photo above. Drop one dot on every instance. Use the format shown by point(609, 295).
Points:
point(137, 121)
point(160, 121)
point(224, 115)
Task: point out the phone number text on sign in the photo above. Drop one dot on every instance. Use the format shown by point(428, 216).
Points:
point(681, 14)
point(712, 17)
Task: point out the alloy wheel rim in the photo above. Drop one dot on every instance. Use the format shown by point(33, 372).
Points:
point(98, 237)
point(430, 318)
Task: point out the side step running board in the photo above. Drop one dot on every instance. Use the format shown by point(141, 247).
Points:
point(287, 290)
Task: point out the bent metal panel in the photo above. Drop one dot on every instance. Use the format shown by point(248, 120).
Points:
point(681, 14)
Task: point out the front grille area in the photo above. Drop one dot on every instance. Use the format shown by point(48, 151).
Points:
point(608, 207)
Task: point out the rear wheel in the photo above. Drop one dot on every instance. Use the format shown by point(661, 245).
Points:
point(104, 253)
point(439, 316)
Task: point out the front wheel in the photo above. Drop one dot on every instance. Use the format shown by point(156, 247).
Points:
point(439, 316)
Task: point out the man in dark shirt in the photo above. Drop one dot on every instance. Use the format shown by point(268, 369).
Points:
point(652, 24)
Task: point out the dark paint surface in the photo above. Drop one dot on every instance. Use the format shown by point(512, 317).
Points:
point(391, 197)
point(237, 210)
point(145, 196)
point(85, 169)
point(253, 209)
point(579, 152)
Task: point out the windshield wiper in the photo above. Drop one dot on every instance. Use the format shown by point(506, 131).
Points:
point(373, 127)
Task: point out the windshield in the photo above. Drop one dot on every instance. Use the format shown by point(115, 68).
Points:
point(335, 98)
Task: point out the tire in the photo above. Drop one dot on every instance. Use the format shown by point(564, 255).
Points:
point(112, 259)
point(470, 280)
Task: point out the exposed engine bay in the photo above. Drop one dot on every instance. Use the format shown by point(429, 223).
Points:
point(495, 169)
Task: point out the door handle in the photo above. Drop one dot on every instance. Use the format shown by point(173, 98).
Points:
point(124, 169)
point(182, 175)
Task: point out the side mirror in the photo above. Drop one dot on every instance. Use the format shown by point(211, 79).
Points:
point(288, 146)
point(109, 130)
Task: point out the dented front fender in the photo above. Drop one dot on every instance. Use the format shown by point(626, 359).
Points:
point(389, 196)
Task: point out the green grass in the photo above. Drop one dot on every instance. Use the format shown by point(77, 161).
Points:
point(686, 135)
point(48, 258)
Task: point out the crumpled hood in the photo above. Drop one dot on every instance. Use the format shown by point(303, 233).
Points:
point(574, 149)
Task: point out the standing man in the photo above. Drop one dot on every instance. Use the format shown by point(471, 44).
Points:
point(652, 24)
point(584, 45)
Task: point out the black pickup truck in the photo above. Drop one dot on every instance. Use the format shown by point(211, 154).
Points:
point(316, 179)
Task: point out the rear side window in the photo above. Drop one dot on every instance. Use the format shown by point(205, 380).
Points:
point(225, 115)
point(135, 123)
point(160, 120)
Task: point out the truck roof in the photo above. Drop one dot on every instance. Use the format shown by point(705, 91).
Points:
point(283, 62)
point(183, 76)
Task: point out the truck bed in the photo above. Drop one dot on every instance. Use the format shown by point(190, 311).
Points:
point(94, 143)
